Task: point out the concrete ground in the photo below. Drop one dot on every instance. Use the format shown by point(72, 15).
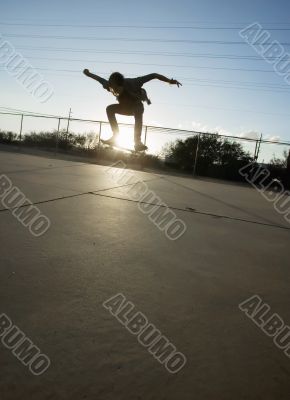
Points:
point(100, 244)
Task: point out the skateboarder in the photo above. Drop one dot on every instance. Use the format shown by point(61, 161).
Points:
point(130, 94)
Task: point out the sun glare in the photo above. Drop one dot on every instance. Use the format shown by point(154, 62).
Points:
point(125, 140)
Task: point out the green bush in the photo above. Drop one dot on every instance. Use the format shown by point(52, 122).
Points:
point(8, 137)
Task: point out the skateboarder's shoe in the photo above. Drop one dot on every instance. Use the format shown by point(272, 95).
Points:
point(109, 142)
point(140, 147)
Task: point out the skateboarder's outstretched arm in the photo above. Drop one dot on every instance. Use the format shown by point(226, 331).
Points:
point(97, 78)
point(147, 78)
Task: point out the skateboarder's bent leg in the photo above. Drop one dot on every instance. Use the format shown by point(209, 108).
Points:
point(135, 110)
point(112, 110)
point(138, 114)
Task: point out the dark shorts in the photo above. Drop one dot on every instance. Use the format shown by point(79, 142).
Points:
point(129, 108)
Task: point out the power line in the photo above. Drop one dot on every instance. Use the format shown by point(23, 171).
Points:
point(170, 104)
point(147, 64)
point(137, 26)
point(149, 53)
point(193, 67)
point(206, 82)
point(175, 105)
point(215, 82)
point(240, 88)
point(25, 111)
point(225, 109)
point(123, 39)
point(216, 85)
point(230, 22)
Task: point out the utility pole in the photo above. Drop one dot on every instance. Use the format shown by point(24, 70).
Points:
point(255, 153)
point(258, 147)
point(196, 155)
point(20, 133)
point(68, 121)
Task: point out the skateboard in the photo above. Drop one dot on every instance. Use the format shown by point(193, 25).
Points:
point(132, 151)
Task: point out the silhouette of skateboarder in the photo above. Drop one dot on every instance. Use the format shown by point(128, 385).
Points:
point(130, 95)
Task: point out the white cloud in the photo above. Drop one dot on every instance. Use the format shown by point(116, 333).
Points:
point(199, 126)
point(223, 131)
point(250, 135)
point(274, 138)
point(243, 134)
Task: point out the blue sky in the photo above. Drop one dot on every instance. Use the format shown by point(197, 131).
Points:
point(219, 93)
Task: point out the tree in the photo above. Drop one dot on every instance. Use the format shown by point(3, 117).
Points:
point(213, 153)
point(280, 162)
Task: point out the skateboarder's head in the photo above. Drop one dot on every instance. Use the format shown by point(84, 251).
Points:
point(116, 82)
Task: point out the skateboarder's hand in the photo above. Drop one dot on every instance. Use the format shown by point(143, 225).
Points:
point(86, 71)
point(175, 82)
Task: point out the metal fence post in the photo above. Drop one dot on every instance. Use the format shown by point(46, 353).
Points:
point(20, 132)
point(145, 136)
point(196, 155)
point(255, 153)
point(67, 128)
point(57, 135)
point(259, 146)
point(100, 132)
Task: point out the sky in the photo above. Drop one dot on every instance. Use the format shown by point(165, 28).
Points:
point(227, 87)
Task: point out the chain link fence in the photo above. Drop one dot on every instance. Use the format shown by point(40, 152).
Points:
point(66, 133)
